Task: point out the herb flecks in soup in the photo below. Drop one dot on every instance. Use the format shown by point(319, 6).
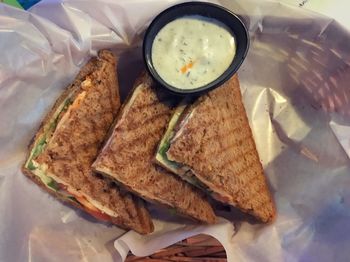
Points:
point(192, 51)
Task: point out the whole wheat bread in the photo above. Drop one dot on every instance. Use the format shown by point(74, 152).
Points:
point(128, 153)
point(75, 143)
point(217, 144)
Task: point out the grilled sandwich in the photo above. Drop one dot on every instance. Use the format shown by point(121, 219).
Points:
point(128, 153)
point(209, 144)
point(67, 143)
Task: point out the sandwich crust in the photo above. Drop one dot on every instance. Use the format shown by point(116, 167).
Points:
point(128, 154)
point(79, 135)
point(217, 144)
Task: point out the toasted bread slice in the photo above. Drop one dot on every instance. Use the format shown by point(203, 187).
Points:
point(68, 141)
point(210, 144)
point(127, 156)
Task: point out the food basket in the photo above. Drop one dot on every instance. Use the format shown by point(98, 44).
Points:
point(198, 248)
point(294, 83)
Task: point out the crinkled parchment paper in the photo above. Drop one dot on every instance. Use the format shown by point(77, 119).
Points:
point(295, 85)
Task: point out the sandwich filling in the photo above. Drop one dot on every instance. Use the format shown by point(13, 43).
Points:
point(51, 181)
point(179, 119)
point(129, 153)
point(175, 128)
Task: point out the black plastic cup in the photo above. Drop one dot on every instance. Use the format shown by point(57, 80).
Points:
point(223, 15)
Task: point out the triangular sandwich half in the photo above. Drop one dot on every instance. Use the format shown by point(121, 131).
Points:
point(209, 143)
point(68, 141)
point(127, 156)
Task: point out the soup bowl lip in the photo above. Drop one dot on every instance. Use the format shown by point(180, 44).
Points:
point(222, 14)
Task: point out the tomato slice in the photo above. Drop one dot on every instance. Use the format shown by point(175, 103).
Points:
point(62, 187)
point(98, 214)
point(92, 210)
point(88, 207)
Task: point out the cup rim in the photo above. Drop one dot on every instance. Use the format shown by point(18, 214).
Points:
point(226, 75)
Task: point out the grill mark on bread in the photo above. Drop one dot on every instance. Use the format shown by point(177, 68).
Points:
point(135, 175)
point(112, 97)
point(221, 150)
point(142, 176)
point(238, 143)
point(219, 126)
point(136, 126)
point(92, 119)
point(138, 139)
point(218, 150)
point(151, 104)
point(232, 162)
point(129, 209)
point(134, 158)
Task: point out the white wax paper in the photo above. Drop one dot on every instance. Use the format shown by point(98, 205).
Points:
point(295, 85)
